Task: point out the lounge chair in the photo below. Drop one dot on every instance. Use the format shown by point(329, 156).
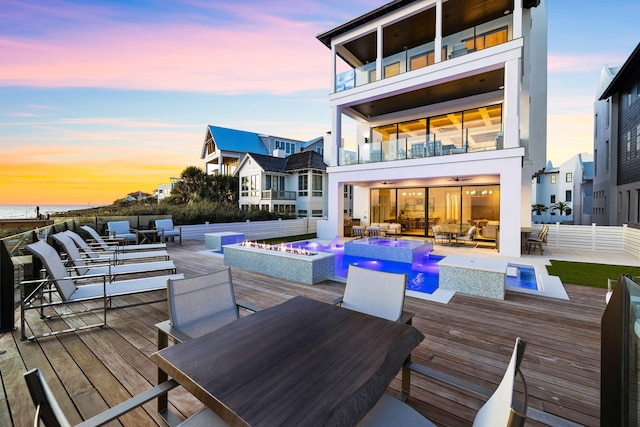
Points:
point(48, 410)
point(166, 230)
point(86, 266)
point(121, 230)
point(375, 292)
point(100, 243)
point(498, 411)
point(118, 257)
point(197, 306)
point(69, 292)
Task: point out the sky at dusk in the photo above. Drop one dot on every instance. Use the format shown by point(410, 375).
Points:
point(102, 98)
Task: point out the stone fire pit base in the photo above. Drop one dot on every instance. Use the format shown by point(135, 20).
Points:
point(309, 269)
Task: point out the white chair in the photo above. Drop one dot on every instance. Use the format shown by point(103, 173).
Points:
point(121, 230)
point(498, 411)
point(470, 235)
point(438, 235)
point(167, 230)
point(48, 409)
point(377, 293)
point(93, 287)
point(357, 231)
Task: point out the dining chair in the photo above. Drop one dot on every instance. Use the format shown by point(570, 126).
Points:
point(197, 306)
point(48, 409)
point(469, 236)
point(498, 410)
point(375, 292)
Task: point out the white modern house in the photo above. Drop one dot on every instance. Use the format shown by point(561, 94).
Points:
point(438, 115)
point(570, 183)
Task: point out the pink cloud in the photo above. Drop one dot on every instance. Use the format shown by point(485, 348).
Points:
point(263, 53)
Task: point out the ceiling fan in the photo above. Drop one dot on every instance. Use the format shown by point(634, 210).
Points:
point(458, 179)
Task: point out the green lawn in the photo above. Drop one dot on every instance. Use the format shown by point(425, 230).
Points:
point(587, 274)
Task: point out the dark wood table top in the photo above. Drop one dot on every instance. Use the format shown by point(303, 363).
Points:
point(300, 363)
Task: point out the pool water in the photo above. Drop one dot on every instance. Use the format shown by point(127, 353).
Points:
point(422, 274)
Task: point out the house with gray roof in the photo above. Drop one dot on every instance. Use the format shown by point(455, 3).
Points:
point(296, 183)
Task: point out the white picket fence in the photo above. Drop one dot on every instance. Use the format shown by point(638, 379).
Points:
point(254, 230)
point(593, 237)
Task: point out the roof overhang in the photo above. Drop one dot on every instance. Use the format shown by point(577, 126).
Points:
point(627, 73)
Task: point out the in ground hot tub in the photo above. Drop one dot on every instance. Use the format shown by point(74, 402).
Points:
point(399, 250)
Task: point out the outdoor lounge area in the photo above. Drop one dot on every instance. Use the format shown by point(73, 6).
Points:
point(470, 338)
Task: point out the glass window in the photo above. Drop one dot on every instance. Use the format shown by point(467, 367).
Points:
point(303, 185)
point(447, 131)
point(244, 186)
point(638, 141)
point(628, 145)
point(553, 198)
point(552, 179)
point(254, 186)
point(569, 177)
point(384, 133)
point(316, 184)
point(568, 195)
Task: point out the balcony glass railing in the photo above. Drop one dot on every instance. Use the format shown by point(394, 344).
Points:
point(481, 138)
point(470, 40)
point(278, 195)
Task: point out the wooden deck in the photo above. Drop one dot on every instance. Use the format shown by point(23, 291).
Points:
point(470, 337)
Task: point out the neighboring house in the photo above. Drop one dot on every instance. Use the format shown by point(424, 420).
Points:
point(164, 190)
point(616, 182)
point(570, 183)
point(293, 184)
point(224, 148)
point(447, 100)
point(136, 195)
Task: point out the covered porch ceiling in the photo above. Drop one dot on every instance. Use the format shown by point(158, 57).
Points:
point(415, 30)
point(439, 181)
point(486, 82)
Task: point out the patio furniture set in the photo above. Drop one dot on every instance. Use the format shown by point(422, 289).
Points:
point(311, 362)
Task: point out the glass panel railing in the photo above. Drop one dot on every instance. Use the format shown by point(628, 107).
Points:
point(452, 142)
point(278, 195)
point(477, 38)
point(365, 74)
point(346, 80)
point(472, 140)
point(485, 138)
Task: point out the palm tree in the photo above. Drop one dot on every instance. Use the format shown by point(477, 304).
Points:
point(538, 208)
point(563, 207)
point(189, 189)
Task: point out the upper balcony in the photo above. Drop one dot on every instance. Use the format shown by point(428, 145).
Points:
point(484, 138)
point(393, 42)
point(459, 44)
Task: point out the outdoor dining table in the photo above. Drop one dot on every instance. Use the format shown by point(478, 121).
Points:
point(302, 362)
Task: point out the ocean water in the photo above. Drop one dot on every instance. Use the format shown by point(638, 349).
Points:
point(29, 211)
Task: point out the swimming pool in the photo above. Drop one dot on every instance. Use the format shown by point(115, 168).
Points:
point(422, 274)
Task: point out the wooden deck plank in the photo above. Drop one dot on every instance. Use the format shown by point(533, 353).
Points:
point(470, 337)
